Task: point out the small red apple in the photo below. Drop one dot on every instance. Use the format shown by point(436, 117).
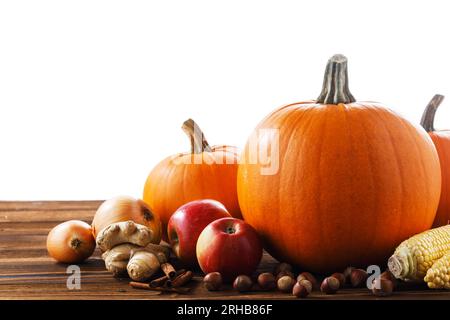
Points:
point(186, 224)
point(229, 246)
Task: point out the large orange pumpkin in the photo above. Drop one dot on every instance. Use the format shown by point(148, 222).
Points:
point(354, 179)
point(203, 173)
point(441, 140)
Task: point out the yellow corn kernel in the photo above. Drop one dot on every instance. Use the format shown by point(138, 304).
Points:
point(438, 276)
point(414, 256)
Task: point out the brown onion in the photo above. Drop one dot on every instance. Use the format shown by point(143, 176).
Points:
point(71, 242)
point(124, 208)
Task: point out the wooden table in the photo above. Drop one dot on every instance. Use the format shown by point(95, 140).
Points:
point(26, 271)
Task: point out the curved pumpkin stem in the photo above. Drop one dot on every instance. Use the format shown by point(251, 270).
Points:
point(198, 141)
point(335, 83)
point(427, 121)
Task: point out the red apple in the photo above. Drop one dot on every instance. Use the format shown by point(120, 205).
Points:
point(186, 224)
point(229, 246)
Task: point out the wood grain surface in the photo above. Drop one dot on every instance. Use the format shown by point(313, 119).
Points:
point(27, 272)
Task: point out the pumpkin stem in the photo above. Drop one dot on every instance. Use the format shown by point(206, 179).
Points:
point(427, 121)
point(198, 141)
point(335, 83)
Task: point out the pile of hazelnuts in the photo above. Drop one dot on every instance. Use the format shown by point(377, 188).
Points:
point(284, 280)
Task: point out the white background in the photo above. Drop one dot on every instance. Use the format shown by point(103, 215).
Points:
point(93, 93)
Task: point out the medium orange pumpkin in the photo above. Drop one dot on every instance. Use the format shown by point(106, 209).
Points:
point(354, 179)
point(441, 141)
point(204, 173)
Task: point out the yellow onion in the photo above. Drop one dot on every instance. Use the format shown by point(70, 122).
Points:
point(124, 208)
point(71, 242)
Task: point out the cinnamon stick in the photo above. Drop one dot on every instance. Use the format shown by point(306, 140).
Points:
point(180, 280)
point(168, 270)
point(161, 281)
point(146, 286)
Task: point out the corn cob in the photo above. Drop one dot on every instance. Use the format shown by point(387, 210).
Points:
point(438, 276)
point(413, 257)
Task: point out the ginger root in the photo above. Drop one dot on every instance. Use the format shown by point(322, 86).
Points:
point(162, 252)
point(138, 262)
point(143, 265)
point(117, 258)
point(123, 232)
point(145, 262)
point(128, 249)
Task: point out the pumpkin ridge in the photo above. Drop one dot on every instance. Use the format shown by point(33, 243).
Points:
point(300, 117)
point(377, 116)
point(400, 217)
point(417, 149)
point(342, 119)
point(347, 110)
point(284, 114)
point(169, 174)
point(184, 186)
point(445, 191)
point(323, 239)
point(443, 212)
point(316, 204)
point(270, 119)
point(359, 108)
point(215, 186)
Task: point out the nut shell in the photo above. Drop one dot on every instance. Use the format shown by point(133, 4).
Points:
point(389, 276)
point(285, 273)
point(213, 281)
point(340, 277)
point(347, 273)
point(302, 289)
point(358, 278)
point(308, 276)
point(382, 287)
point(330, 285)
point(307, 284)
point(242, 283)
point(266, 281)
point(285, 284)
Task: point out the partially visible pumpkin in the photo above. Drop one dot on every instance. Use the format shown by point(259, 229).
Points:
point(441, 139)
point(354, 179)
point(203, 173)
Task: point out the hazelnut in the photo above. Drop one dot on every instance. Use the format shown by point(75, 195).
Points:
point(285, 284)
point(284, 273)
point(347, 273)
point(242, 283)
point(266, 281)
point(302, 289)
point(308, 276)
point(282, 267)
point(340, 277)
point(389, 276)
point(382, 287)
point(306, 284)
point(330, 285)
point(213, 281)
point(358, 278)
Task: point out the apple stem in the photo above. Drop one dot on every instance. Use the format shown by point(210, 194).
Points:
point(230, 230)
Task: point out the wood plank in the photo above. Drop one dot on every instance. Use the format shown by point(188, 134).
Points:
point(27, 272)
